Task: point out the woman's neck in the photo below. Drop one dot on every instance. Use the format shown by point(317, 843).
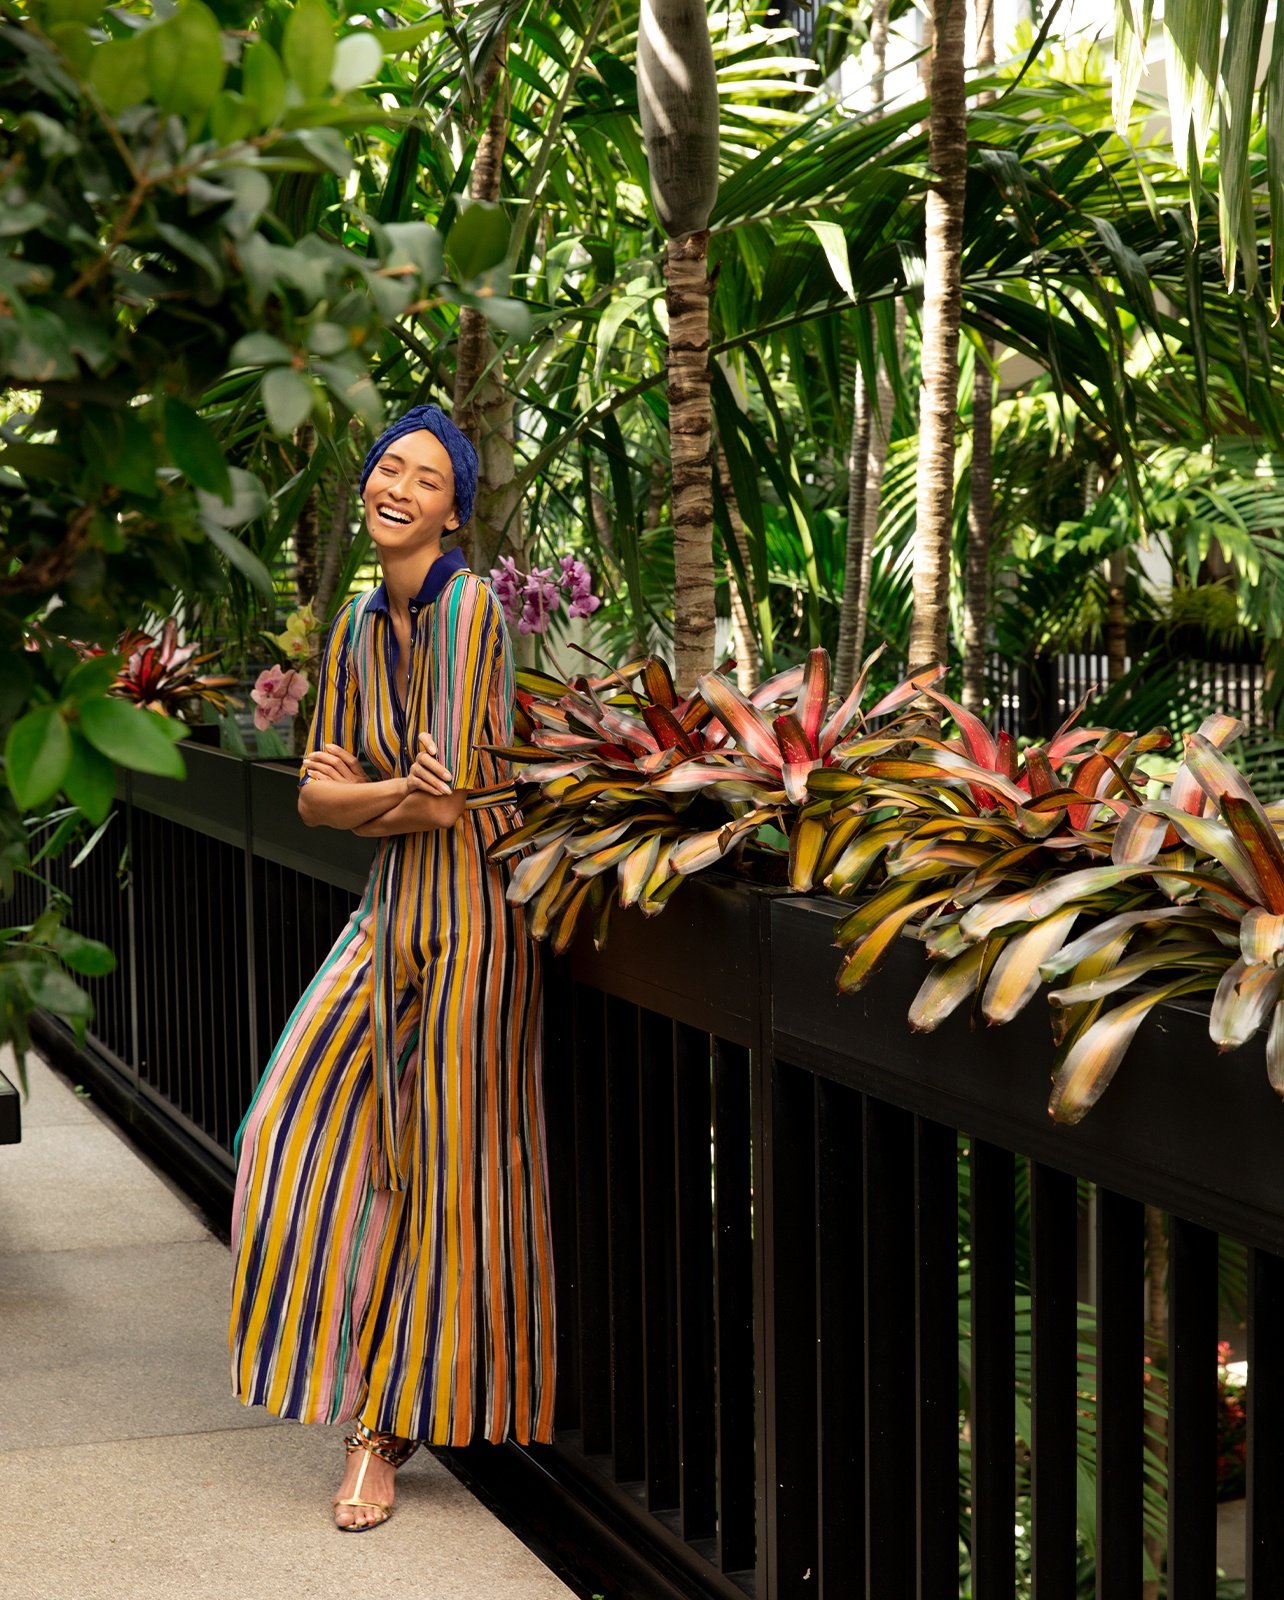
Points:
point(404, 573)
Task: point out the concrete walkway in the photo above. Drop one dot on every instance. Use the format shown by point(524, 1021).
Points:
point(130, 1472)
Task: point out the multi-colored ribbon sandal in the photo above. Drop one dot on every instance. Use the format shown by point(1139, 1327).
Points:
point(388, 1447)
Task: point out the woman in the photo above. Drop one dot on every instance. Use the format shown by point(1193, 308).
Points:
point(392, 1260)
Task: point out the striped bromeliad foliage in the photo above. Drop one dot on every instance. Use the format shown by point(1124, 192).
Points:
point(1102, 867)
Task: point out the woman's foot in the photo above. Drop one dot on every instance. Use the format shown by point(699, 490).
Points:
point(369, 1478)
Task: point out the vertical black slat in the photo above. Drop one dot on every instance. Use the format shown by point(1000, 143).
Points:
point(130, 951)
point(840, 1394)
point(659, 1259)
point(201, 866)
point(168, 993)
point(788, 1193)
point(890, 1510)
point(183, 1093)
point(625, 1233)
point(1054, 1243)
point(222, 1016)
point(693, 1196)
point(593, 1266)
point(1120, 1369)
point(993, 1419)
point(733, 1305)
point(559, 1128)
point(1265, 1567)
point(937, 1388)
point(1192, 1411)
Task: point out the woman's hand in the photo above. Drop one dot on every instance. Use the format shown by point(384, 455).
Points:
point(332, 761)
point(427, 775)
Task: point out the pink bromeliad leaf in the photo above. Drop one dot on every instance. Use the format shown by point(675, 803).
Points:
point(741, 718)
point(813, 698)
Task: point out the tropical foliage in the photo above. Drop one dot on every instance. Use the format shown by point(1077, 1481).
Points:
point(1084, 867)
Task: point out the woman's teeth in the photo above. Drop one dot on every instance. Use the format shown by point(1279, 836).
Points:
point(388, 515)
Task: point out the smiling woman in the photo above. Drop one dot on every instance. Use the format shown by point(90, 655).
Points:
point(391, 1239)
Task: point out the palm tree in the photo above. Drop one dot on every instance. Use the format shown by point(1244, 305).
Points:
point(678, 101)
point(947, 160)
point(483, 405)
point(980, 515)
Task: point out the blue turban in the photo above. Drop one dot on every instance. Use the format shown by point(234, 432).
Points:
point(459, 447)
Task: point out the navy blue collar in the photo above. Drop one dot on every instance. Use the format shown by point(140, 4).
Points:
point(437, 577)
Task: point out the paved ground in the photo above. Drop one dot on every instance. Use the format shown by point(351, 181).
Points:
point(129, 1471)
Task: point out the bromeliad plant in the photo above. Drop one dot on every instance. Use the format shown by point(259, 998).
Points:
point(632, 777)
point(596, 749)
point(1070, 865)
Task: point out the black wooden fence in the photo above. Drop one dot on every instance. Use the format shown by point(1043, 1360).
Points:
point(776, 1375)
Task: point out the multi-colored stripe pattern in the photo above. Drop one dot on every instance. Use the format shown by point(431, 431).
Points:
point(392, 1254)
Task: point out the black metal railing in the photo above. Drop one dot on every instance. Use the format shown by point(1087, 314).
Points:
point(828, 1313)
point(1033, 698)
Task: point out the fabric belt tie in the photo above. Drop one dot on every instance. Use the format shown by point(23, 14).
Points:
point(385, 1171)
point(385, 1154)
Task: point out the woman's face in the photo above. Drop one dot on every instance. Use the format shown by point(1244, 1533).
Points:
point(409, 496)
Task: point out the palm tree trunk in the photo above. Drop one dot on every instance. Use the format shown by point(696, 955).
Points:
point(857, 480)
point(880, 434)
point(868, 453)
point(744, 641)
point(1116, 615)
point(947, 159)
point(980, 511)
point(687, 292)
point(678, 109)
point(484, 409)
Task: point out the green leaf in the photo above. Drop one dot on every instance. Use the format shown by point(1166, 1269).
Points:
point(233, 117)
point(834, 242)
point(357, 60)
point(415, 244)
point(259, 349)
point(1194, 30)
point(308, 47)
point(478, 239)
point(133, 737)
point(124, 448)
point(185, 66)
point(52, 988)
point(41, 462)
point(263, 82)
point(241, 556)
point(118, 71)
point(41, 349)
point(74, 10)
point(249, 500)
point(509, 315)
point(89, 679)
point(195, 450)
point(90, 957)
point(36, 754)
point(287, 399)
point(90, 779)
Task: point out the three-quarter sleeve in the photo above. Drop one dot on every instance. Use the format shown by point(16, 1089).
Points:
point(335, 717)
point(465, 651)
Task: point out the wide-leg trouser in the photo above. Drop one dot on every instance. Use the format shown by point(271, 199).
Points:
point(427, 1311)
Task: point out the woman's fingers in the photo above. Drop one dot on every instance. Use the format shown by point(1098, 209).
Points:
point(427, 759)
point(349, 760)
point(321, 764)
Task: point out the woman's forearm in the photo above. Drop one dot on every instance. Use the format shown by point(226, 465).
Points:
point(323, 802)
point(417, 813)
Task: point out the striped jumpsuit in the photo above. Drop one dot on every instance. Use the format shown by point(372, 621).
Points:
point(392, 1254)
